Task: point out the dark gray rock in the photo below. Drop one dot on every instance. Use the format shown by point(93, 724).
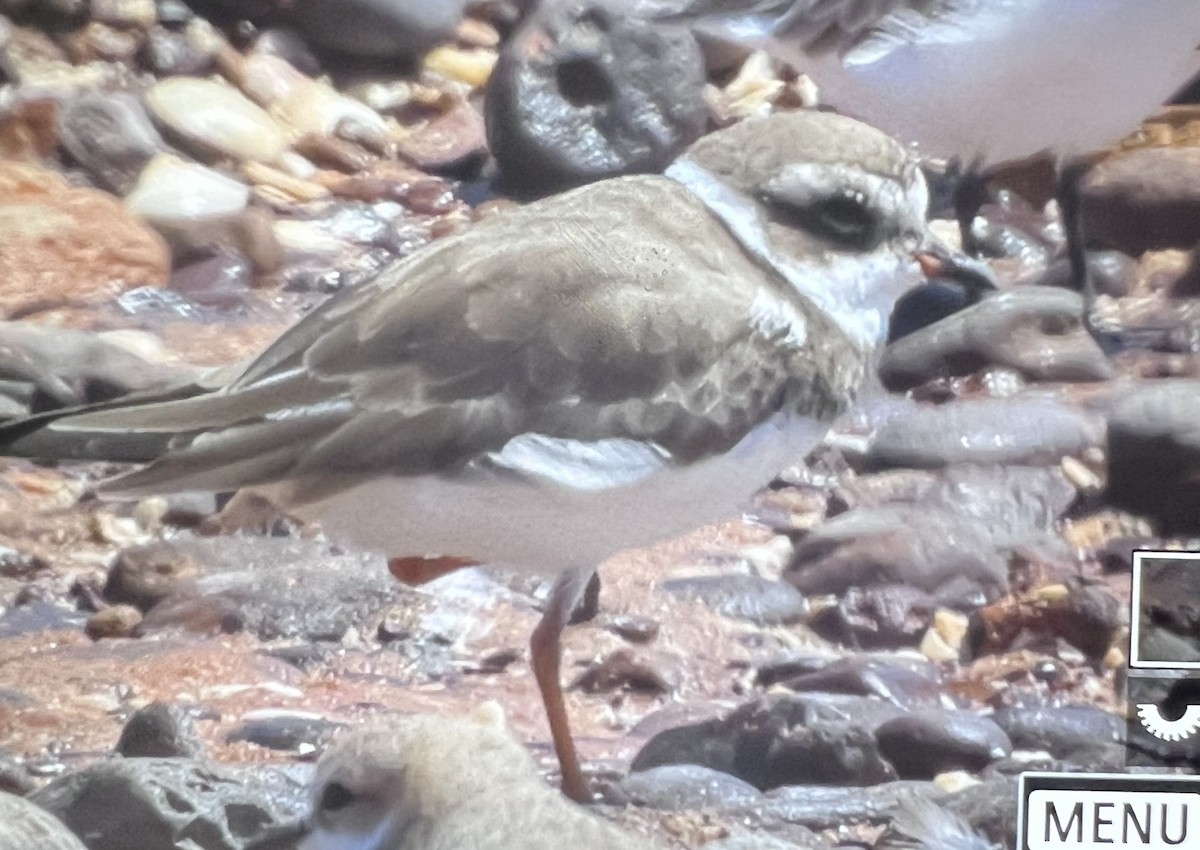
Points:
point(14, 776)
point(782, 739)
point(274, 588)
point(824, 807)
point(989, 808)
point(1036, 331)
point(160, 730)
point(165, 804)
point(1076, 732)
point(297, 732)
point(928, 548)
point(904, 686)
point(1154, 453)
point(923, 744)
point(1144, 199)
point(110, 136)
point(167, 52)
point(1030, 430)
point(1113, 273)
point(582, 93)
point(881, 617)
point(26, 826)
point(686, 786)
point(377, 29)
point(744, 597)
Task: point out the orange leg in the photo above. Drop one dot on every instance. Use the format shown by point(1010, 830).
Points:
point(546, 657)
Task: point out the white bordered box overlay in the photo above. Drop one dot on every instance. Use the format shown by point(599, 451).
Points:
point(1163, 578)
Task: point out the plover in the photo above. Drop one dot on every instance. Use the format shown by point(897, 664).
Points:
point(25, 825)
point(444, 783)
point(595, 371)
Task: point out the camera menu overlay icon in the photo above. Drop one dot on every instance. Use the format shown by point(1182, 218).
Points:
point(1164, 628)
point(1089, 811)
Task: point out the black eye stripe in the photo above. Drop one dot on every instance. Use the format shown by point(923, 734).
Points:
point(846, 219)
point(335, 797)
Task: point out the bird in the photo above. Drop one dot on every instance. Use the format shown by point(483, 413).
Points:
point(25, 825)
point(590, 372)
point(430, 782)
point(995, 80)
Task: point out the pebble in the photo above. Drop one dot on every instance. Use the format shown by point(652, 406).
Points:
point(192, 205)
point(377, 29)
point(166, 801)
point(26, 826)
point(1035, 331)
point(160, 730)
point(924, 744)
point(1073, 732)
point(621, 670)
point(1145, 199)
point(581, 93)
point(167, 52)
point(297, 732)
point(124, 13)
point(1153, 452)
point(743, 597)
point(48, 237)
point(110, 136)
point(455, 141)
point(686, 786)
point(118, 621)
point(214, 119)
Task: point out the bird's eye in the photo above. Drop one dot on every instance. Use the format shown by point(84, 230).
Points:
point(335, 797)
point(846, 219)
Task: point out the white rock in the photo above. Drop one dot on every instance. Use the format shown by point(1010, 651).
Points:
point(188, 202)
point(216, 118)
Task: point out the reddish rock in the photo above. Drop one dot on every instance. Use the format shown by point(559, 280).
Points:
point(60, 245)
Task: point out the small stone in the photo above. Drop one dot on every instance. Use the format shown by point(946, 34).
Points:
point(377, 29)
point(472, 67)
point(1142, 200)
point(167, 52)
point(64, 245)
point(118, 621)
point(582, 93)
point(26, 826)
point(289, 46)
point(300, 732)
point(160, 730)
point(125, 13)
point(620, 670)
point(686, 786)
point(634, 629)
point(145, 575)
point(923, 744)
point(453, 140)
point(762, 601)
point(29, 131)
point(110, 136)
point(215, 119)
point(99, 42)
point(190, 204)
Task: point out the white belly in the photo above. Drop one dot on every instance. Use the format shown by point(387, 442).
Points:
point(537, 523)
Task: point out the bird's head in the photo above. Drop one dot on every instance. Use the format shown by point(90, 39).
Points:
point(833, 205)
point(385, 784)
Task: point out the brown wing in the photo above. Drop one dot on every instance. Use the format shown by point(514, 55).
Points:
point(621, 310)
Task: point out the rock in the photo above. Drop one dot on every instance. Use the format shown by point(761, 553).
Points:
point(172, 803)
point(932, 549)
point(455, 141)
point(620, 670)
point(1113, 273)
point(124, 13)
point(863, 676)
point(1020, 430)
point(218, 279)
point(276, 588)
point(193, 206)
point(166, 52)
point(1073, 732)
point(581, 94)
point(886, 616)
point(823, 807)
point(15, 777)
point(1144, 199)
point(1084, 614)
point(924, 744)
point(27, 826)
point(1154, 453)
point(686, 786)
point(110, 136)
point(145, 575)
point(215, 120)
point(765, 602)
point(160, 730)
point(634, 628)
point(377, 29)
point(117, 621)
point(98, 42)
point(299, 732)
point(288, 45)
point(782, 739)
point(1035, 331)
point(60, 245)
